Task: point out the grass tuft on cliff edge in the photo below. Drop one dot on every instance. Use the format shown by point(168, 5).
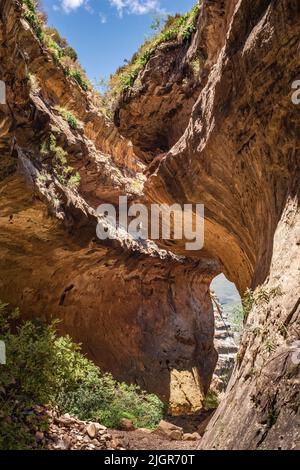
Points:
point(45, 369)
point(177, 27)
point(57, 46)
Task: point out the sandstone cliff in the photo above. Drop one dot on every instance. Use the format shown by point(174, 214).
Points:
point(137, 309)
point(239, 154)
point(230, 140)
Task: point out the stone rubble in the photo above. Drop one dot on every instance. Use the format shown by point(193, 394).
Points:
point(66, 432)
point(175, 433)
point(69, 433)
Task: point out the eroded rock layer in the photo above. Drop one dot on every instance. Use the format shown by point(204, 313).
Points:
point(137, 310)
point(240, 156)
point(230, 141)
point(136, 315)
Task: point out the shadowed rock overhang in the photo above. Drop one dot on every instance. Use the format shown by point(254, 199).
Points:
point(231, 141)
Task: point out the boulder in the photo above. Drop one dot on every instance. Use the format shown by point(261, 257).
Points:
point(39, 436)
point(127, 424)
point(191, 436)
point(169, 430)
point(92, 429)
point(145, 430)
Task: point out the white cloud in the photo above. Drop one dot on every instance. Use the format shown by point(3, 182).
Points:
point(89, 8)
point(103, 17)
point(138, 7)
point(69, 5)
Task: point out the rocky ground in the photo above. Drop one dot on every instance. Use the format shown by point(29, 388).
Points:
point(69, 433)
point(143, 440)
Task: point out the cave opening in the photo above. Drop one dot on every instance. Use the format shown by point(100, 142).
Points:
point(228, 314)
point(228, 319)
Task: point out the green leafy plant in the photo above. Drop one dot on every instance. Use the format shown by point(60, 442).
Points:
point(270, 345)
point(211, 400)
point(74, 181)
point(54, 48)
point(175, 27)
point(196, 67)
point(54, 34)
point(32, 16)
point(45, 369)
point(265, 295)
point(77, 76)
point(70, 52)
point(190, 25)
point(237, 316)
point(69, 117)
point(261, 296)
point(59, 158)
point(43, 178)
point(58, 45)
point(248, 301)
point(50, 37)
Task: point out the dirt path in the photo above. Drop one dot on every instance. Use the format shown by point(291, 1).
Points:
point(147, 440)
point(69, 433)
point(142, 440)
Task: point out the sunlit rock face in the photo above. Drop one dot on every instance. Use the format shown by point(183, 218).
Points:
point(240, 156)
point(141, 313)
point(232, 143)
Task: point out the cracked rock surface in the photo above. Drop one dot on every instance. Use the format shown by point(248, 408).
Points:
point(231, 141)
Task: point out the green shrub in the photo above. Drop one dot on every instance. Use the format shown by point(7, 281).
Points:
point(72, 121)
point(248, 302)
point(237, 317)
point(54, 34)
point(211, 400)
point(77, 77)
point(54, 48)
point(44, 369)
point(103, 399)
point(59, 160)
point(32, 16)
point(127, 80)
point(69, 117)
point(57, 45)
point(64, 173)
point(70, 52)
point(175, 27)
point(189, 23)
point(196, 67)
point(145, 57)
point(59, 154)
point(260, 297)
point(74, 181)
point(188, 31)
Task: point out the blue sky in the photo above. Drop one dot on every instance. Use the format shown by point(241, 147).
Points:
point(106, 32)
